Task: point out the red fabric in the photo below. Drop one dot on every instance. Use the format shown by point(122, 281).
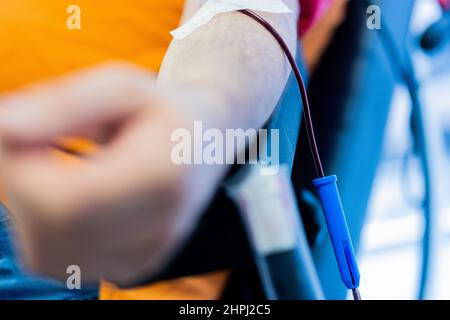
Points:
point(310, 11)
point(445, 4)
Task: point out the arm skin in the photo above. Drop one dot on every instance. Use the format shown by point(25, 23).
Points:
point(222, 65)
point(121, 214)
point(237, 62)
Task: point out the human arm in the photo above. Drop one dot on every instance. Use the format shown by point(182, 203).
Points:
point(121, 214)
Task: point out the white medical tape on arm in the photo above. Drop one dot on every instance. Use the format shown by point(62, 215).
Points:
point(214, 7)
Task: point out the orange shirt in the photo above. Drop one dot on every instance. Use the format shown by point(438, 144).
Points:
point(37, 44)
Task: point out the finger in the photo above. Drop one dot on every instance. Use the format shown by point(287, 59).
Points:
point(73, 104)
point(137, 162)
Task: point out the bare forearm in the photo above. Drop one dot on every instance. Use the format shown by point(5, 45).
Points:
point(235, 67)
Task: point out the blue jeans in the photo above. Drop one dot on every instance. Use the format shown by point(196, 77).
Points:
point(16, 284)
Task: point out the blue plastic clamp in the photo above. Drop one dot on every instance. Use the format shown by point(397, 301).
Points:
point(338, 230)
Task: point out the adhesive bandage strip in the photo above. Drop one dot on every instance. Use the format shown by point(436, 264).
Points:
point(214, 7)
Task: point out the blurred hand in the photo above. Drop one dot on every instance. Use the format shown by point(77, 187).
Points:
point(119, 213)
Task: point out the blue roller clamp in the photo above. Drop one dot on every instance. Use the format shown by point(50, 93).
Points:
point(338, 230)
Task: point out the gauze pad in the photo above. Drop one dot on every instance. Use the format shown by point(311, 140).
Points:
point(214, 7)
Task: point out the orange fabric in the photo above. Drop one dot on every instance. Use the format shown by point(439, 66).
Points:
point(36, 44)
point(204, 287)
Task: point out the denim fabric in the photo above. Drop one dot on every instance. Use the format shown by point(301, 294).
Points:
point(16, 284)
